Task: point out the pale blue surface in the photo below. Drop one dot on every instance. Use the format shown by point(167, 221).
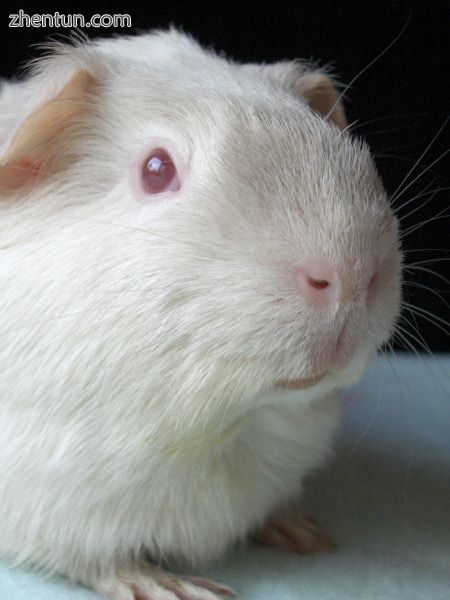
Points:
point(385, 500)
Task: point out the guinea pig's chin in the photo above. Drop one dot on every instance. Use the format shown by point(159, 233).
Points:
point(339, 375)
point(352, 371)
point(301, 383)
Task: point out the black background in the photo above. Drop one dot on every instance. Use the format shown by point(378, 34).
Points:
point(400, 102)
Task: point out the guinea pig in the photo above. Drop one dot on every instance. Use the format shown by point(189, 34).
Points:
point(195, 257)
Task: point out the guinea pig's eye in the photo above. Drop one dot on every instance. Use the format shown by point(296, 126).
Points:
point(159, 173)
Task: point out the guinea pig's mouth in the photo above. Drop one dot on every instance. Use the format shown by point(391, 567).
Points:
point(337, 361)
point(334, 357)
point(301, 384)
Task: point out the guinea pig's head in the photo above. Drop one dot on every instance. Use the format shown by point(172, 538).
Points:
point(251, 230)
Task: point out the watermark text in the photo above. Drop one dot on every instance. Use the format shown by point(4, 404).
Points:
point(22, 19)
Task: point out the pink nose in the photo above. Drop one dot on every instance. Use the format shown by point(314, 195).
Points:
point(319, 284)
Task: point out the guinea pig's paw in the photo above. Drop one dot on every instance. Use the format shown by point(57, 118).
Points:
point(293, 531)
point(145, 581)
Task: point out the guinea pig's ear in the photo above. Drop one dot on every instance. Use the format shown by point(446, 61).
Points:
point(308, 82)
point(318, 90)
point(38, 147)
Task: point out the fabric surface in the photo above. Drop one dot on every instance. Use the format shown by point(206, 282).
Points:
point(385, 499)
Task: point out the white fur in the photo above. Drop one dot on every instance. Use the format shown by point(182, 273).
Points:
point(141, 344)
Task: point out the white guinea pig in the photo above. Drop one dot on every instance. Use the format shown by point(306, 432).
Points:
point(194, 257)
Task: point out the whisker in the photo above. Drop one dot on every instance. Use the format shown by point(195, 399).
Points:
point(410, 269)
point(385, 154)
point(440, 215)
point(398, 193)
point(428, 316)
point(410, 250)
point(407, 283)
point(390, 130)
point(429, 260)
point(427, 201)
point(402, 384)
point(389, 117)
point(419, 159)
point(398, 208)
point(418, 340)
point(423, 345)
point(373, 416)
point(425, 287)
point(349, 126)
point(401, 334)
point(373, 61)
point(397, 340)
point(368, 426)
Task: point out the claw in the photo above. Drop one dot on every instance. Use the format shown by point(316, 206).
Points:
point(145, 581)
point(294, 531)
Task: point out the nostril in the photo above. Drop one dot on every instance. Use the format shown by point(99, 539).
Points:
point(318, 284)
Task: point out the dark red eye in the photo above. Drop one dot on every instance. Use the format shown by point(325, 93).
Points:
point(159, 173)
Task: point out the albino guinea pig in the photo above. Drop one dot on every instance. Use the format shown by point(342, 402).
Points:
point(195, 256)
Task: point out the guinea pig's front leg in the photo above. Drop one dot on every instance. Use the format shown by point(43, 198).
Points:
point(146, 581)
point(294, 531)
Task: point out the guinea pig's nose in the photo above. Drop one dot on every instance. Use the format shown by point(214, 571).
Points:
point(319, 284)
